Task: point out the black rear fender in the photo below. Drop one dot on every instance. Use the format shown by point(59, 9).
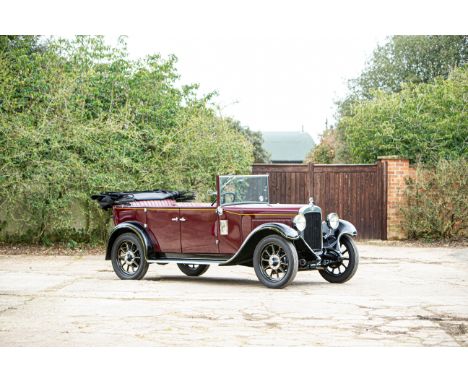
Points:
point(133, 227)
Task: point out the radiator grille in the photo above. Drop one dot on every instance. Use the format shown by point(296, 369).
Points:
point(313, 231)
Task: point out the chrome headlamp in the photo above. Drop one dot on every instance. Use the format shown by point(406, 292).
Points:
point(333, 220)
point(299, 222)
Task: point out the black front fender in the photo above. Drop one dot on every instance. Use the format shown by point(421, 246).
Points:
point(344, 228)
point(133, 227)
point(245, 253)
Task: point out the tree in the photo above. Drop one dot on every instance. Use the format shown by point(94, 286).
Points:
point(331, 148)
point(423, 122)
point(325, 151)
point(410, 59)
point(398, 65)
point(79, 117)
point(255, 138)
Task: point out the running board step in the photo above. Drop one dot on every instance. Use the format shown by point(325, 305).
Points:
point(189, 261)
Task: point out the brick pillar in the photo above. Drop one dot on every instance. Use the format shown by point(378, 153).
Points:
point(397, 170)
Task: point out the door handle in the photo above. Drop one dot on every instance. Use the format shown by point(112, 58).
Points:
point(176, 219)
point(182, 219)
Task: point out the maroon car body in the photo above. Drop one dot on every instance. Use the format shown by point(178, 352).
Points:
point(187, 228)
point(240, 227)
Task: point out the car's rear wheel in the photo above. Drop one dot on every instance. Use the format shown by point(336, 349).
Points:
point(275, 261)
point(128, 258)
point(344, 270)
point(193, 269)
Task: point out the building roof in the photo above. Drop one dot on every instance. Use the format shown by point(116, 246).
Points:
point(287, 146)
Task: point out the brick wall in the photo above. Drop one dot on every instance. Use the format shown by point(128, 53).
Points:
point(397, 170)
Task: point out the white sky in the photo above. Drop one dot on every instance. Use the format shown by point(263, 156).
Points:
point(277, 65)
point(271, 81)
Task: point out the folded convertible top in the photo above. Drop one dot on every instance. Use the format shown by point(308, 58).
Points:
point(108, 199)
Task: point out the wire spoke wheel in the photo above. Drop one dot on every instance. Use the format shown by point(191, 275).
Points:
point(193, 269)
point(275, 261)
point(340, 268)
point(345, 269)
point(128, 258)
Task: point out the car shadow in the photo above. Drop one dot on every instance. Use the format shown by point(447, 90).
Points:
point(223, 281)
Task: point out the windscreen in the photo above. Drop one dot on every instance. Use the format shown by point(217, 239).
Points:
point(242, 189)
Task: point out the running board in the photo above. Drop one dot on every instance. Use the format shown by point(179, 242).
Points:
point(189, 261)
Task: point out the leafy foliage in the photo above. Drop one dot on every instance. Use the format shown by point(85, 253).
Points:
point(330, 149)
point(256, 139)
point(324, 152)
point(423, 122)
point(79, 117)
point(387, 100)
point(437, 201)
point(410, 59)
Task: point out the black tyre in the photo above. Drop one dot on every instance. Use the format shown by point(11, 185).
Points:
point(342, 272)
point(275, 261)
point(193, 269)
point(128, 258)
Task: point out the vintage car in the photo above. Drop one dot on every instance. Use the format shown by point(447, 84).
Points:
point(240, 227)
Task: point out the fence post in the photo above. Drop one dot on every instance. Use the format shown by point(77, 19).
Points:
point(382, 167)
point(310, 181)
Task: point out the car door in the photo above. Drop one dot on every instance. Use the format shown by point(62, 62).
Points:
point(198, 229)
point(165, 226)
point(236, 227)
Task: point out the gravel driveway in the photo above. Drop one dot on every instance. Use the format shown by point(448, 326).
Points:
point(399, 296)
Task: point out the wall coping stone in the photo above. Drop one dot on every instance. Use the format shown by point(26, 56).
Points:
point(391, 157)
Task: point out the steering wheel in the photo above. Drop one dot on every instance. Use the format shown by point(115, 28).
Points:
point(223, 196)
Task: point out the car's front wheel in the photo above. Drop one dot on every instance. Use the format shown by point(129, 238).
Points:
point(128, 258)
point(193, 269)
point(275, 261)
point(344, 270)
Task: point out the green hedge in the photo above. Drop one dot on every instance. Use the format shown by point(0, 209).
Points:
point(79, 117)
point(423, 122)
point(437, 201)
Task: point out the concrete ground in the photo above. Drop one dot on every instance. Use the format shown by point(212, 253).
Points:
point(399, 296)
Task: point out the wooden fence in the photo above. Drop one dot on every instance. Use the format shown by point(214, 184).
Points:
point(356, 192)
